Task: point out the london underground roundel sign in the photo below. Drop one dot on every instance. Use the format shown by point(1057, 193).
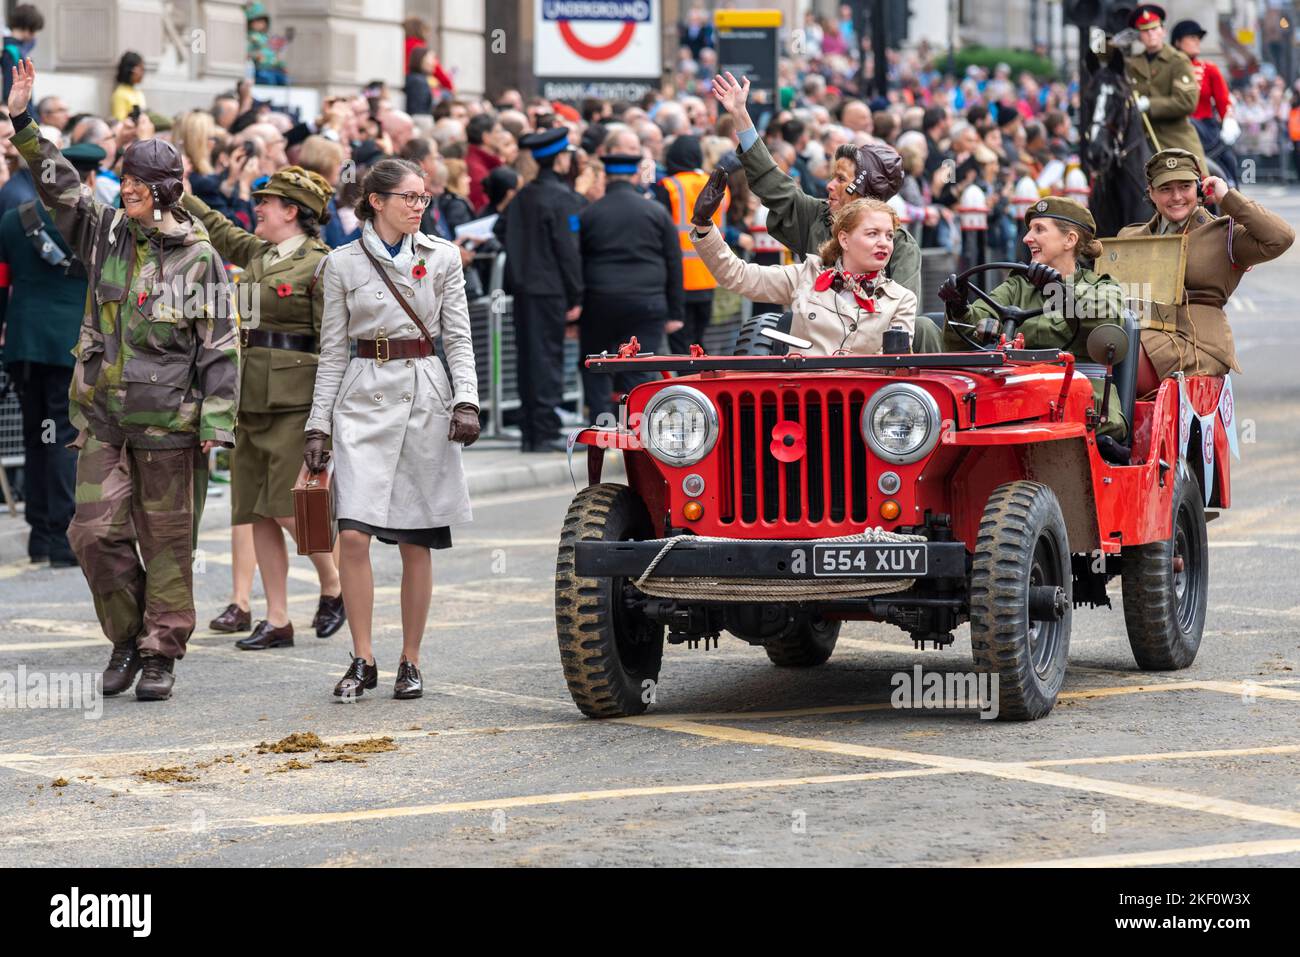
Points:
point(596, 38)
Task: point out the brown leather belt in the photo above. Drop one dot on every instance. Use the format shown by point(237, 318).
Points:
point(292, 341)
point(382, 350)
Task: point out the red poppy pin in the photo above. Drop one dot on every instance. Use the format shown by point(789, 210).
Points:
point(788, 442)
point(284, 290)
point(823, 281)
point(139, 301)
point(418, 271)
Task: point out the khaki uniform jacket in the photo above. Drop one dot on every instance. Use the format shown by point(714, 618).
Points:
point(802, 223)
point(833, 323)
point(288, 297)
point(1195, 337)
point(1169, 82)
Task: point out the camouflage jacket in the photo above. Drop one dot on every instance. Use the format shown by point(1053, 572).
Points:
point(157, 356)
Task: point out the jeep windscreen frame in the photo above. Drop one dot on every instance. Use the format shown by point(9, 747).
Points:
point(797, 363)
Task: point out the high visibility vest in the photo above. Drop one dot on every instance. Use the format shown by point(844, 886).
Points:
point(683, 188)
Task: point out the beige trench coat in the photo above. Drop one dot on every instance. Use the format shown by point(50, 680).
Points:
point(831, 322)
point(394, 466)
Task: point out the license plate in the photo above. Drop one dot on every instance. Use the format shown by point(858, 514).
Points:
point(898, 561)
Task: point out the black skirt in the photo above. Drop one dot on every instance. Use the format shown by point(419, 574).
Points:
point(439, 537)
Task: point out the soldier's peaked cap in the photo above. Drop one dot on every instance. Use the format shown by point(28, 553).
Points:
point(1146, 16)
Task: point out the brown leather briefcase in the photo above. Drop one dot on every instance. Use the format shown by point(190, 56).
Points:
point(313, 512)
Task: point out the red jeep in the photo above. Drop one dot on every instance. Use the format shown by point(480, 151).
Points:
point(775, 496)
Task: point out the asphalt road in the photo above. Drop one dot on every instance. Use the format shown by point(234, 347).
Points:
point(738, 763)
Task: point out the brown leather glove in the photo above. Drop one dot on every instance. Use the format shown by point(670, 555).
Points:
point(710, 198)
point(314, 454)
point(464, 425)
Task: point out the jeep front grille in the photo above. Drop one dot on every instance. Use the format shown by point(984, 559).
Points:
point(827, 485)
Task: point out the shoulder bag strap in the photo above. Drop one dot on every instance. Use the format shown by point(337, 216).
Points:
point(401, 301)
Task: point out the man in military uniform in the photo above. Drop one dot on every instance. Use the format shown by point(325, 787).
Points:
point(281, 266)
point(632, 277)
point(539, 230)
point(1194, 337)
point(1164, 83)
point(156, 376)
point(38, 326)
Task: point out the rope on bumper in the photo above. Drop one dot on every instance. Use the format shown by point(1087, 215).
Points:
point(776, 589)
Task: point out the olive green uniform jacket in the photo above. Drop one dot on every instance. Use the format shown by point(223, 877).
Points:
point(1168, 82)
point(287, 300)
point(802, 223)
point(276, 387)
point(1095, 299)
point(1195, 338)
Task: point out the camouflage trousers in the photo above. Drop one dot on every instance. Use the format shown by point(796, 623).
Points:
point(132, 533)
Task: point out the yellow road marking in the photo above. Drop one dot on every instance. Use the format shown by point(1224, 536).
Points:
point(1165, 797)
point(1179, 855)
point(1163, 756)
point(537, 800)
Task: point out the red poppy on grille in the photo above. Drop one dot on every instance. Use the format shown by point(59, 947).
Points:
point(788, 443)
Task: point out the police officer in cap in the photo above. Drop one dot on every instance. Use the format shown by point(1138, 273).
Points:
point(632, 277)
point(539, 230)
point(42, 294)
point(1165, 83)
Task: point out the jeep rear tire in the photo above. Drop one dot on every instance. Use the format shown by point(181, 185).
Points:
point(1165, 585)
point(610, 653)
point(809, 642)
point(1022, 552)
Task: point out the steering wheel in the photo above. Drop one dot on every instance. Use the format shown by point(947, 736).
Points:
point(1010, 316)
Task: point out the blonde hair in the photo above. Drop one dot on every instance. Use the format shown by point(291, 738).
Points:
point(456, 169)
point(713, 148)
point(192, 133)
point(1088, 246)
point(847, 219)
point(321, 155)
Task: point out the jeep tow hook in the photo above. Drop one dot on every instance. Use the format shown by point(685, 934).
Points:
point(1046, 602)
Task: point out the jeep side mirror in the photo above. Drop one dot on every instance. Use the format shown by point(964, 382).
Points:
point(1107, 344)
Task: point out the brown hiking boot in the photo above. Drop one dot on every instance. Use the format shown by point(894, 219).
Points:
point(123, 665)
point(156, 680)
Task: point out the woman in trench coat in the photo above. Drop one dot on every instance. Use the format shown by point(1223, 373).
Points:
point(396, 421)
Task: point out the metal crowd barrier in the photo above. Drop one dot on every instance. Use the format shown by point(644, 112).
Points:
point(11, 441)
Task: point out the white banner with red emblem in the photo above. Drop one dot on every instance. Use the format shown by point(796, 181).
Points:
point(1224, 412)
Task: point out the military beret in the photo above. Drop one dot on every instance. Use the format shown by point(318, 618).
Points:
point(1172, 164)
point(1066, 210)
point(85, 156)
point(298, 185)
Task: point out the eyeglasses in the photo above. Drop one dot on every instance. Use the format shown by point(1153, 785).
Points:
point(412, 200)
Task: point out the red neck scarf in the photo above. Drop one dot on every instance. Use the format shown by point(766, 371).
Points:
point(864, 286)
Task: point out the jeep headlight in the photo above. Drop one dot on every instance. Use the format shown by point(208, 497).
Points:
point(901, 423)
point(679, 426)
